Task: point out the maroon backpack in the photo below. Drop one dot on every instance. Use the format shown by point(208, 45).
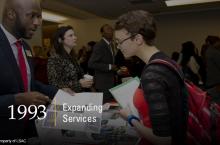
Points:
point(204, 115)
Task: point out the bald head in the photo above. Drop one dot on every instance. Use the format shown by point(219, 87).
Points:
point(22, 17)
point(17, 5)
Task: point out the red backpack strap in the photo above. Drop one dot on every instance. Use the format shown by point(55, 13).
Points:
point(172, 66)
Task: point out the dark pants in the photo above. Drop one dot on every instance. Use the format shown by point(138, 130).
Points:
point(215, 94)
point(107, 96)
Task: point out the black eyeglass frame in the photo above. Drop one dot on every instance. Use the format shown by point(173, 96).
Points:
point(121, 42)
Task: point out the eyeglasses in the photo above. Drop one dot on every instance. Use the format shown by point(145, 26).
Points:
point(120, 42)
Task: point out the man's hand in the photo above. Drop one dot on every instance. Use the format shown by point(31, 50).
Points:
point(114, 67)
point(86, 83)
point(123, 71)
point(31, 98)
point(68, 90)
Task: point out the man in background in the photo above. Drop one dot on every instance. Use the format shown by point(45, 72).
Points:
point(102, 61)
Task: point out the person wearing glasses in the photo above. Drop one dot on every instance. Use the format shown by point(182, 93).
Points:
point(159, 100)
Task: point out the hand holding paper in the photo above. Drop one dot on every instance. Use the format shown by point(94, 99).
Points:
point(68, 90)
point(125, 112)
point(124, 93)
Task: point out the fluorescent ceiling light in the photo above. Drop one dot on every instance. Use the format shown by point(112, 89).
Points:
point(170, 3)
point(52, 17)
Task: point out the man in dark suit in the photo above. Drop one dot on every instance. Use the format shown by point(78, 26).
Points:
point(21, 19)
point(102, 61)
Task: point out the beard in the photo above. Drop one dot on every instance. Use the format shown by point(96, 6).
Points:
point(19, 29)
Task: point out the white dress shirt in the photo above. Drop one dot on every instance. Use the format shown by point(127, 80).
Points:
point(111, 49)
point(12, 40)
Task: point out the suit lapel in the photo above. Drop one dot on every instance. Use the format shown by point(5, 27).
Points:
point(7, 50)
point(106, 46)
point(109, 50)
point(29, 59)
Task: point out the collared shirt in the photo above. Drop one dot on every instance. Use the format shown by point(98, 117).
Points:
point(109, 44)
point(12, 40)
point(111, 49)
point(106, 40)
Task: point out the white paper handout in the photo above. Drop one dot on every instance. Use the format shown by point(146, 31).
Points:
point(51, 136)
point(81, 112)
point(114, 130)
point(124, 93)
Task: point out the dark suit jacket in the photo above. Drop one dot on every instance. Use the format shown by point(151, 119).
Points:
point(11, 84)
point(99, 61)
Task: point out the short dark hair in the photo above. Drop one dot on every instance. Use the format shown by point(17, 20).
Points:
point(103, 26)
point(59, 35)
point(188, 48)
point(138, 22)
point(212, 39)
point(91, 43)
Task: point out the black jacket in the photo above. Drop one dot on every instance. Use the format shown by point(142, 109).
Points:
point(11, 84)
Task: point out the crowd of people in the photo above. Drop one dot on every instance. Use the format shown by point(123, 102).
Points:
point(108, 61)
point(201, 68)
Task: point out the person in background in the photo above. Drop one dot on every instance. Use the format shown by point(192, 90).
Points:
point(213, 70)
point(102, 61)
point(84, 56)
point(81, 54)
point(209, 43)
point(135, 32)
point(129, 67)
point(40, 65)
point(136, 66)
point(189, 63)
point(63, 68)
point(175, 56)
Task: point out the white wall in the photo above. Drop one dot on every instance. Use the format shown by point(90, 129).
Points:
point(174, 29)
point(87, 30)
point(1, 9)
